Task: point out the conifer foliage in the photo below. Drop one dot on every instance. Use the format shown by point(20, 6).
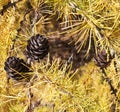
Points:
point(71, 32)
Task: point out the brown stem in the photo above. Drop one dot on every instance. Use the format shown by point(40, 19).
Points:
point(108, 80)
point(115, 65)
point(112, 89)
point(30, 95)
point(5, 7)
point(7, 84)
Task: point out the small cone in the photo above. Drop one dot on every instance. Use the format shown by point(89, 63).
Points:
point(37, 48)
point(16, 68)
point(102, 59)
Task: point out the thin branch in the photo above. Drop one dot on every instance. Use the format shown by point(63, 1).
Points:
point(115, 65)
point(108, 80)
point(5, 7)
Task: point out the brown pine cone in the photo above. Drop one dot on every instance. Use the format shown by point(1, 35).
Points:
point(37, 48)
point(16, 68)
point(102, 59)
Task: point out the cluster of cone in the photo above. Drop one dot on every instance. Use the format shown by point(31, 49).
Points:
point(37, 48)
